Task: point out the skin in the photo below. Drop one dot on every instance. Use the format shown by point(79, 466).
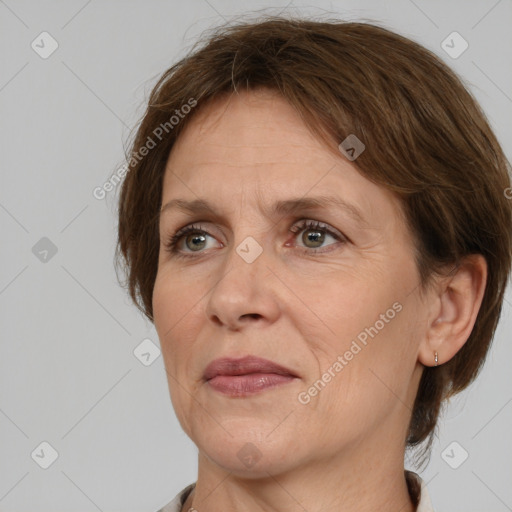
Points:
point(342, 451)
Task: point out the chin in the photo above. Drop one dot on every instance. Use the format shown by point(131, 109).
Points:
point(246, 460)
point(247, 448)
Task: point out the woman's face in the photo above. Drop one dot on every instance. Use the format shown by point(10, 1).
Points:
point(329, 292)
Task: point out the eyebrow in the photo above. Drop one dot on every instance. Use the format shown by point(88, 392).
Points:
point(279, 208)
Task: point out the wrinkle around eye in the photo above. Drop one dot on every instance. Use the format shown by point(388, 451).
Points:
point(176, 240)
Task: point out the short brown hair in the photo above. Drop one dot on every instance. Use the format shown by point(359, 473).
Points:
point(427, 140)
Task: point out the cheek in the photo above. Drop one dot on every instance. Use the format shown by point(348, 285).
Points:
point(174, 307)
point(383, 356)
point(350, 306)
point(175, 310)
point(173, 299)
point(373, 328)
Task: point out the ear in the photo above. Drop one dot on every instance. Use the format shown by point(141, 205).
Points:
point(454, 307)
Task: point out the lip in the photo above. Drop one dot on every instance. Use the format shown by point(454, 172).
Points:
point(245, 376)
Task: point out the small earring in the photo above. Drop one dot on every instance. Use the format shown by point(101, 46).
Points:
point(435, 357)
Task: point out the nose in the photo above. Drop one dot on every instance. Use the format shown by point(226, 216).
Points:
point(244, 291)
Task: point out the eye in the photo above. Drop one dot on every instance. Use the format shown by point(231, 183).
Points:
point(314, 234)
point(194, 238)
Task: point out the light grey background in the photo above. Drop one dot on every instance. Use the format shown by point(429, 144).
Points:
point(68, 373)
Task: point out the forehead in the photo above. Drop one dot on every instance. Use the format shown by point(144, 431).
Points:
point(254, 143)
point(248, 135)
point(235, 123)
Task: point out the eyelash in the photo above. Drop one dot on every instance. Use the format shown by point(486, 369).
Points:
point(172, 243)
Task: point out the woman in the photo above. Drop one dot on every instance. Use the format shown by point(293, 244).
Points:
point(315, 220)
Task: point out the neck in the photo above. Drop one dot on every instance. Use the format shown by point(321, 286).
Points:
point(362, 484)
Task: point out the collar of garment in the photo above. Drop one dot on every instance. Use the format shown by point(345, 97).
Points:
point(417, 490)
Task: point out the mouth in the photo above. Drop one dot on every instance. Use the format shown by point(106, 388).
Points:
point(246, 376)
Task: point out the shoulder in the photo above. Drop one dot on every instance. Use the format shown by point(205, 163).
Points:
point(418, 491)
point(176, 504)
